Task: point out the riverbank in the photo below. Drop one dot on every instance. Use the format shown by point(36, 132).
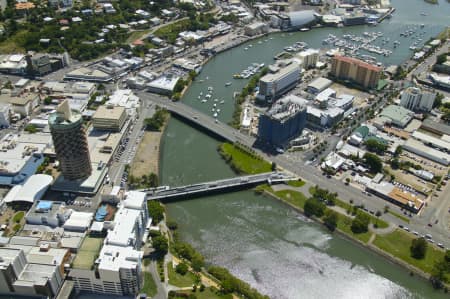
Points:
point(366, 245)
point(147, 159)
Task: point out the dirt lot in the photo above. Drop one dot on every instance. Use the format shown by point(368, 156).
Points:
point(426, 164)
point(412, 181)
point(360, 96)
point(147, 156)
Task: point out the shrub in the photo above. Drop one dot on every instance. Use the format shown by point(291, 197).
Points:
point(182, 268)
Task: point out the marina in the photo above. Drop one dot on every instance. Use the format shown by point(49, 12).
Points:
point(249, 71)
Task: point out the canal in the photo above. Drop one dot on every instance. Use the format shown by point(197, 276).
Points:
point(259, 239)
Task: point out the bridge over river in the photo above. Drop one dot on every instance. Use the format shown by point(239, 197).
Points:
point(166, 193)
point(208, 123)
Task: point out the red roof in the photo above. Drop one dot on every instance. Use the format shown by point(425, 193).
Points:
point(138, 42)
point(358, 62)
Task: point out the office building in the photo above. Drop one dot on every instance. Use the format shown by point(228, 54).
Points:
point(283, 122)
point(110, 118)
point(355, 70)
point(280, 79)
point(70, 142)
point(415, 99)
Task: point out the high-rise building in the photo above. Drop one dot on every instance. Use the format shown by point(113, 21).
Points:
point(284, 121)
point(358, 71)
point(414, 99)
point(70, 142)
point(118, 268)
point(309, 58)
point(280, 79)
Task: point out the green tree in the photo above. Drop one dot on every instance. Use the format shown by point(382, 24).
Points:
point(314, 207)
point(395, 163)
point(160, 244)
point(418, 248)
point(360, 224)
point(441, 271)
point(398, 151)
point(153, 180)
point(172, 225)
point(373, 162)
point(274, 166)
point(155, 210)
point(182, 268)
point(330, 219)
point(197, 262)
point(31, 129)
point(376, 146)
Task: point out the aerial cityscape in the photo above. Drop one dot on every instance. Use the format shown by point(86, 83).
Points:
point(225, 149)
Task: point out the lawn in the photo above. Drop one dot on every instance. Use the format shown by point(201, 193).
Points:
point(137, 35)
point(13, 44)
point(242, 161)
point(344, 224)
point(398, 242)
point(295, 198)
point(346, 206)
point(170, 32)
point(179, 280)
point(206, 294)
point(149, 287)
point(87, 253)
point(296, 183)
point(18, 216)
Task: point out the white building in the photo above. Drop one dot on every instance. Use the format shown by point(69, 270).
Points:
point(279, 80)
point(19, 276)
point(13, 64)
point(48, 213)
point(118, 269)
point(5, 113)
point(125, 98)
point(309, 58)
point(33, 189)
point(414, 98)
point(163, 85)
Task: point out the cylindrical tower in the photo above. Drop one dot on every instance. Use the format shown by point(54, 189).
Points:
point(70, 142)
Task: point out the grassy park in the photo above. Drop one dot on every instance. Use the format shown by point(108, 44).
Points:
point(398, 244)
point(242, 160)
point(149, 287)
point(179, 280)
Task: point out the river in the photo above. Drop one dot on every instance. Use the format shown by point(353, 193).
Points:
point(259, 239)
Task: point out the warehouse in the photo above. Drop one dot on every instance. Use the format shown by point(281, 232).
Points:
point(422, 150)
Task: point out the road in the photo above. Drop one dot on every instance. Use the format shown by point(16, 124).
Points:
point(116, 168)
point(251, 180)
point(426, 65)
point(311, 174)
